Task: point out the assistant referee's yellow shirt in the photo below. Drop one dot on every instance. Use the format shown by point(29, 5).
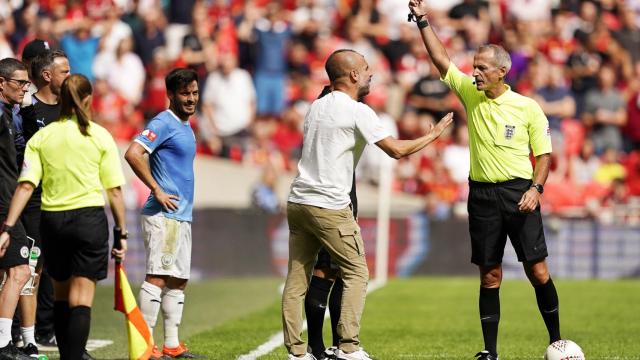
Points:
point(502, 131)
point(73, 168)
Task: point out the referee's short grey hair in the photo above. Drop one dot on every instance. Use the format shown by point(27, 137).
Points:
point(500, 55)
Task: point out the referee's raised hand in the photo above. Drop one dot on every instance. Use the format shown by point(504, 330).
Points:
point(166, 200)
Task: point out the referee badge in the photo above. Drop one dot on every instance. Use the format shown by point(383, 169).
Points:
point(509, 131)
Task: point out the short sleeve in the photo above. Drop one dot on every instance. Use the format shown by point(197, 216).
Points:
point(111, 175)
point(156, 132)
point(31, 165)
point(369, 125)
point(461, 84)
point(539, 131)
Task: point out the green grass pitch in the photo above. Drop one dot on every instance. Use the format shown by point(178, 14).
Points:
point(414, 318)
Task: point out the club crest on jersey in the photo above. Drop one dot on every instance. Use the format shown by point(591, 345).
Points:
point(509, 131)
point(149, 134)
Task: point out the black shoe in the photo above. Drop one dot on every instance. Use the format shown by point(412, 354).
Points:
point(11, 352)
point(485, 355)
point(47, 342)
point(30, 350)
point(87, 356)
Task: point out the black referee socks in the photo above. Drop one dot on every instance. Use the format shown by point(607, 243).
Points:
point(490, 317)
point(79, 326)
point(335, 306)
point(547, 298)
point(61, 326)
point(315, 306)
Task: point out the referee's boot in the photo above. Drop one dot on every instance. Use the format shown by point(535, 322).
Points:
point(485, 355)
point(11, 352)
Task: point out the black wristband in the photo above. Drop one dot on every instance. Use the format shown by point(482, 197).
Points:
point(4, 228)
point(423, 22)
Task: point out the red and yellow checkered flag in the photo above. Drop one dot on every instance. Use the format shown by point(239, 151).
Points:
point(138, 334)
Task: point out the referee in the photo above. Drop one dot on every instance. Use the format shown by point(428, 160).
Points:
point(75, 159)
point(505, 189)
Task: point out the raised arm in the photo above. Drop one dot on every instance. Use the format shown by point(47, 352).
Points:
point(436, 50)
point(400, 148)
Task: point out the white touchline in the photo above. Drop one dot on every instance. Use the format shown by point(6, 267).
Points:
point(276, 340)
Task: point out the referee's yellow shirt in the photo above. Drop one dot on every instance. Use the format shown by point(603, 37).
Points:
point(502, 131)
point(73, 168)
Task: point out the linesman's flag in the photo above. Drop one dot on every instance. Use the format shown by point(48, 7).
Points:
point(138, 334)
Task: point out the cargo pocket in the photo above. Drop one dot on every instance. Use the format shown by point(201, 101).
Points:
point(351, 240)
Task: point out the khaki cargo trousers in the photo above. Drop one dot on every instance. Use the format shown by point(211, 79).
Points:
point(310, 228)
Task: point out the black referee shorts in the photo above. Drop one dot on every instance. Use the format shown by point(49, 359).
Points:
point(19, 248)
point(494, 215)
point(76, 242)
point(30, 219)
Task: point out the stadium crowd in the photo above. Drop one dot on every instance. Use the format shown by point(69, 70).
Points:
point(260, 64)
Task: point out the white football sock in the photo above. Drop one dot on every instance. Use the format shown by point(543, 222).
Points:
point(28, 335)
point(172, 304)
point(149, 301)
point(5, 331)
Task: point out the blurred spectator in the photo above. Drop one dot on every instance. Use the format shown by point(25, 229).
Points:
point(584, 166)
point(263, 195)
point(430, 95)
point(228, 106)
point(155, 92)
point(272, 35)
point(554, 97)
point(632, 128)
point(605, 113)
point(288, 133)
point(114, 112)
point(582, 67)
point(372, 157)
point(123, 70)
point(81, 48)
point(456, 157)
point(111, 31)
point(610, 169)
point(629, 34)
point(180, 18)
point(150, 36)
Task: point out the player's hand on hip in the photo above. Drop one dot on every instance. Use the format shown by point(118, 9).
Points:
point(4, 243)
point(118, 254)
point(418, 7)
point(529, 201)
point(444, 123)
point(167, 200)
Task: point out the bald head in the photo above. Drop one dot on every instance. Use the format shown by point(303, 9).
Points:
point(349, 72)
point(341, 63)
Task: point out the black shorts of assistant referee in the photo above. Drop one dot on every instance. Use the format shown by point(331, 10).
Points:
point(76, 242)
point(494, 215)
point(18, 251)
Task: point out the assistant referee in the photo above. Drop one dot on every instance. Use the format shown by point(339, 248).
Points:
point(505, 189)
point(75, 159)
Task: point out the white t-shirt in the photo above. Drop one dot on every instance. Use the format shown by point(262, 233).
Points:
point(232, 98)
point(336, 130)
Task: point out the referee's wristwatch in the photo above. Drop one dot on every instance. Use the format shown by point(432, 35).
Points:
point(538, 187)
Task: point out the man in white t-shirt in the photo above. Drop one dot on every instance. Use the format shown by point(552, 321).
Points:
point(336, 130)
